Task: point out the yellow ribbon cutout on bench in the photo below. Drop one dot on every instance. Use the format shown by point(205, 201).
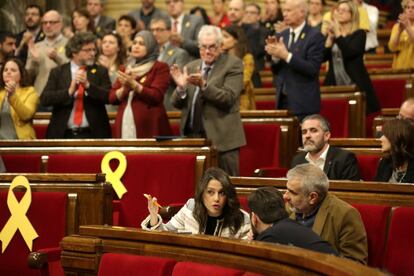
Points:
point(115, 177)
point(18, 218)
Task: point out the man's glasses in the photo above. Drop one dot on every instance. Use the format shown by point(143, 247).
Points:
point(50, 22)
point(211, 47)
point(158, 30)
point(89, 50)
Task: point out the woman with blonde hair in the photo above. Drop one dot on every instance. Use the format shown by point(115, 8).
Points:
point(344, 49)
point(402, 38)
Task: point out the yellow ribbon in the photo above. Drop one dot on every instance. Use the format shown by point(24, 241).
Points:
point(115, 177)
point(18, 218)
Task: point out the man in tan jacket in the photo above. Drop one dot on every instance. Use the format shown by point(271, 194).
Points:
point(332, 219)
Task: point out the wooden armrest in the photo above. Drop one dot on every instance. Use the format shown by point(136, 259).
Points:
point(39, 259)
point(270, 172)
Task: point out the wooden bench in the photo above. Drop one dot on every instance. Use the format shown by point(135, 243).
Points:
point(379, 121)
point(81, 254)
point(346, 101)
point(94, 194)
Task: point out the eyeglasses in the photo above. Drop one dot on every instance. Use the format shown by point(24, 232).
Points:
point(89, 50)
point(342, 10)
point(211, 47)
point(251, 12)
point(172, 1)
point(50, 22)
point(158, 30)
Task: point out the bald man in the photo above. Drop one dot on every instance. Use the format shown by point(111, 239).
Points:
point(297, 55)
point(407, 109)
point(235, 11)
point(48, 53)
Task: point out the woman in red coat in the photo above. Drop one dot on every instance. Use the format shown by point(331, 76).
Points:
point(140, 91)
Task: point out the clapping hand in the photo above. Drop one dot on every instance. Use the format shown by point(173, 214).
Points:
point(179, 77)
point(10, 87)
point(276, 48)
point(196, 79)
point(127, 79)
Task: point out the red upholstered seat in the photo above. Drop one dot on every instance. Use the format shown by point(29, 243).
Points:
point(197, 269)
point(336, 111)
point(40, 130)
point(375, 218)
point(368, 166)
point(399, 257)
point(113, 264)
point(262, 149)
point(390, 92)
point(243, 203)
point(47, 214)
point(22, 163)
point(266, 105)
point(175, 128)
point(168, 177)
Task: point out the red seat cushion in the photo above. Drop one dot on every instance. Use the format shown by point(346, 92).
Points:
point(336, 111)
point(266, 105)
point(47, 209)
point(368, 166)
point(390, 92)
point(22, 163)
point(262, 148)
point(399, 258)
point(375, 218)
point(123, 264)
point(192, 269)
point(40, 130)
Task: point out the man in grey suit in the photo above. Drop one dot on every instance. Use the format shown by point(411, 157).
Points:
point(208, 93)
point(184, 28)
point(147, 12)
point(102, 23)
point(170, 54)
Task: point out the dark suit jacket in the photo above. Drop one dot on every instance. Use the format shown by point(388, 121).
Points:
point(23, 53)
point(56, 94)
point(289, 232)
point(189, 31)
point(353, 49)
point(300, 77)
point(339, 164)
point(148, 106)
point(221, 102)
point(384, 171)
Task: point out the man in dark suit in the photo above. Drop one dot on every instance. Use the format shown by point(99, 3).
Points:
point(33, 32)
point(78, 92)
point(271, 223)
point(102, 22)
point(184, 27)
point(334, 220)
point(170, 54)
point(146, 13)
point(297, 55)
point(337, 163)
point(208, 93)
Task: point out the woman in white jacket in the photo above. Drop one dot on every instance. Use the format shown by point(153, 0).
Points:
point(214, 210)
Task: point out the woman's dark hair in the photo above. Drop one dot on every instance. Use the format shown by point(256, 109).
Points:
point(122, 54)
point(84, 12)
point(130, 19)
point(400, 133)
point(233, 217)
point(242, 47)
point(203, 12)
point(24, 78)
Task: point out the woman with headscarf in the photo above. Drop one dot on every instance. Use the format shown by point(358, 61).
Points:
point(139, 91)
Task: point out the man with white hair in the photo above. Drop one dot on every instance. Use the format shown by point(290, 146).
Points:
point(208, 93)
point(297, 55)
point(334, 220)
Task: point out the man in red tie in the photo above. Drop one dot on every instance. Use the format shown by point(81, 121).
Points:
point(78, 92)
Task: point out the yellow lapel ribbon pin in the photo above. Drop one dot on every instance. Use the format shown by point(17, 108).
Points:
point(170, 52)
point(187, 25)
point(93, 71)
point(114, 177)
point(142, 80)
point(18, 219)
point(302, 36)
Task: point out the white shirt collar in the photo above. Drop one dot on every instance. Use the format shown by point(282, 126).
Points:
point(320, 162)
point(180, 22)
point(297, 30)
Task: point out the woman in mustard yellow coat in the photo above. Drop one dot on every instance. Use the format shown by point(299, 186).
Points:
point(17, 100)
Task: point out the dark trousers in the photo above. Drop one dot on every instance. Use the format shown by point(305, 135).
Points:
point(229, 161)
point(78, 133)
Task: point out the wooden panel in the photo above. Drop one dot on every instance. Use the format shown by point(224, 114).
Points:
point(82, 253)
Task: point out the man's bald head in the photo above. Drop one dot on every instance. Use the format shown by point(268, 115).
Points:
point(235, 11)
point(52, 24)
point(407, 109)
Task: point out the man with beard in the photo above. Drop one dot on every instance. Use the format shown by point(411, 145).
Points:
point(78, 92)
point(334, 220)
point(144, 14)
point(270, 222)
point(7, 46)
point(337, 163)
point(33, 32)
